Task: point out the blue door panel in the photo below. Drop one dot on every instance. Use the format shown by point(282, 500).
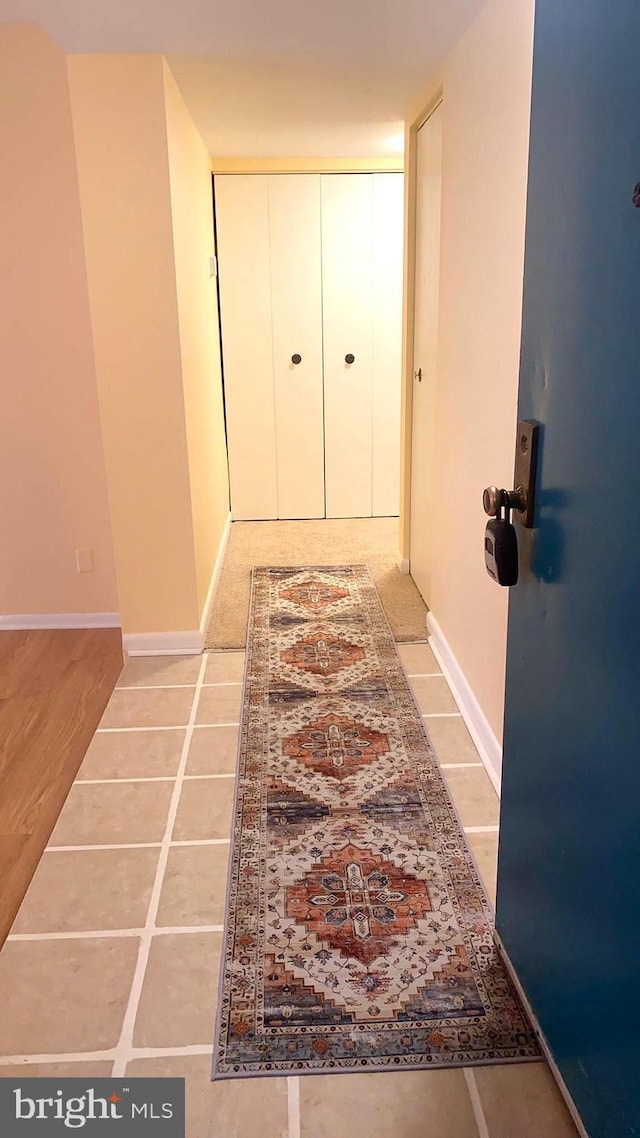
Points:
point(568, 907)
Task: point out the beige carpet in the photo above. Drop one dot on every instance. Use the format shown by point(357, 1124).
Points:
point(373, 541)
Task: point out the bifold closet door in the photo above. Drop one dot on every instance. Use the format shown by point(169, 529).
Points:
point(242, 223)
point(347, 290)
point(296, 296)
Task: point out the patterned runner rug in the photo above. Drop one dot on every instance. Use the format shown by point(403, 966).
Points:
point(358, 933)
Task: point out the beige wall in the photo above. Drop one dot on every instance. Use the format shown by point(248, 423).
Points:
point(147, 285)
point(192, 216)
point(486, 85)
point(52, 476)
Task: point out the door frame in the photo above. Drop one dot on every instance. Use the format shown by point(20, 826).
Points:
point(426, 109)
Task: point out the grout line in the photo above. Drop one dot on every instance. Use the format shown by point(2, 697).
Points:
point(125, 1044)
point(197, 726)
point(476, 1104)
point(184, 930)
point(175, 727)
point(481, 829)
point(203, 842)
point(441, 715)
point(84, 935)
point(192, 777)
point(143, 778)
point(106, 846)
point(173, 687)
point(161, 930)
point(108, 781)
point(422, 675)
point(97, 1056)
point(151, 687)
point(293, 1102)
point(458, 766)
point(112, 730)
point(139, 845)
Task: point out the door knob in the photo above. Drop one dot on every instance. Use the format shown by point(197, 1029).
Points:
point(494, 500)
point(349, 358)
point(418, 375)
point(296, 358)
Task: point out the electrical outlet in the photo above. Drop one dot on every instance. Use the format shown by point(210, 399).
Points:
point(84, 560)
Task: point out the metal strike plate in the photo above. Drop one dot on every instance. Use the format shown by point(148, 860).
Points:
point(526, 469)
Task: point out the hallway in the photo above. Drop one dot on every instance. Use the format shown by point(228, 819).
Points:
point(371, 540)
point(111, 965)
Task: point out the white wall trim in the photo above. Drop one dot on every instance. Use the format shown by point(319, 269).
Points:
point(403, 564)
point(215, 577)
point(163, 643)
point(555, 1070)
point(477, 723)
point(43, 620)
point(191, 642)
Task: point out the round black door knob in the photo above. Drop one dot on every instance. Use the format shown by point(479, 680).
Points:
point(296, 358)
point(349, 358)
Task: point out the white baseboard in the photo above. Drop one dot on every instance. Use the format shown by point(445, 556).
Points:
point(215, 577)
point(28, 622)
point(403, 564)
point(477, 723)
point(555, 1070)
point(163, 643)
point(189, 643)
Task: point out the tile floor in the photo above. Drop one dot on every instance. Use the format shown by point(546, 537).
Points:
point(111, 965)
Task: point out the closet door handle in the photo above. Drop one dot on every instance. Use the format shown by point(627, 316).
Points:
point(349, 358)
point(296, 358)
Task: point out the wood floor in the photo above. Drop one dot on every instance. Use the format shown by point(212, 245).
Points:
point(54, 687)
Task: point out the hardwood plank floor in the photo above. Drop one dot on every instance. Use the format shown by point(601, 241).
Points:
point(54, 687)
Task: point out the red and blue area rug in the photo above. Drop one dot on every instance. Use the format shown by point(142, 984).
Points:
point(358, 933)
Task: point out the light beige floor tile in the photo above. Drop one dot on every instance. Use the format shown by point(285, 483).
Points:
point(79, 1070)
point(420, 1104)
point(64, 995)
point(194, 888)
point(89, 889)
point(178, 1001)
point(205, 809)
point(433, 695)
point(473, 796)
point(233, 1108)
point(452, 741)
point(521, 1100)
point(224, 667)
point(418, 658)
point(157, 671)
point(213, 750)
point(133, 754)
point(220, 705)
point(126, 812)
point(484, 848)
point(160, 707)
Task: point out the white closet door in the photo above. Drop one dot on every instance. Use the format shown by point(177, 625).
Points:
point(425, 348)
point(347, 289)
point(388, 224)
point(296, 295)
point(242, 221)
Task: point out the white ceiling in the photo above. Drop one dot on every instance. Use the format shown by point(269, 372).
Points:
point(275, 77)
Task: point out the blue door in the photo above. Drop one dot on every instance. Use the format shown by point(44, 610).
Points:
point(568, 909)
